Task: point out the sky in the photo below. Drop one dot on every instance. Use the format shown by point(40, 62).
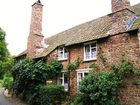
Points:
point(58, 15)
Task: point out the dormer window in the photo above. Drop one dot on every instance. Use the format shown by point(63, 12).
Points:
point(90, 51)
point(62, 53)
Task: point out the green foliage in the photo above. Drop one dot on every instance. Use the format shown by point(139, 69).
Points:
point(94, 66)
point(3, 46)
point(29, 73)
point(3, 53)
point(136, 82)
point(56, 68)
point(1, 83)
point(72, 66)
point(127, 68)
point(8, 64)
point(101, 88)
point(7, 81)
point(48, 95)
point(75, 65)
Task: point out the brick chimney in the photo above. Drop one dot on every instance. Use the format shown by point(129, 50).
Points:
point(119, 5)
point(121, 17)
point(35, 36)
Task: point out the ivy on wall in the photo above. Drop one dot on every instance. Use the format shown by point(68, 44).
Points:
point(101, 88)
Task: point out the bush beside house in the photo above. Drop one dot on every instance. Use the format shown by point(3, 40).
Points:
point(30, 81)
point(102, 88)
point(48, 95)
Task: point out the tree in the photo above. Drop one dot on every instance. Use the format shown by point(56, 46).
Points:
point(6, 61)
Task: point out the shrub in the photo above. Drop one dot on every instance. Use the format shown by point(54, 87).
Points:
point(7, 82)
point(48, 95)
point(101, 88)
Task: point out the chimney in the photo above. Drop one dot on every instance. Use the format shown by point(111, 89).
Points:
point(119, 5)
point(121, 17)
point(35, 36)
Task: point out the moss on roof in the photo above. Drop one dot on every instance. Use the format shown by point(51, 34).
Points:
point(136, 24)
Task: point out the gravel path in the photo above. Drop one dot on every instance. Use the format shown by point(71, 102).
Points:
point(3, 100)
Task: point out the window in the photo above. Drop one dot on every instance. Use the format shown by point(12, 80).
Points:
point(62, 53)
point(80, 75)
point(63, 80)
point(90, 51)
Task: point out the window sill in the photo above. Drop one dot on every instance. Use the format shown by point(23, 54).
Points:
point(65, 59)
point(87, 60)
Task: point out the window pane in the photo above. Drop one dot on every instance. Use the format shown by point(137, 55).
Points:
point(85, 74)
point(93, 52)
point(87, 48)
point(87, 51)
point(80, 76)
point(66, 81)
point(66, 86)
point(65, 78)
point(93, 45)
point(60, 54)
point(65, 55)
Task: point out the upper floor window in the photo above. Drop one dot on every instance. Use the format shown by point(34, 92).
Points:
point(62, 53)
point(90, 51)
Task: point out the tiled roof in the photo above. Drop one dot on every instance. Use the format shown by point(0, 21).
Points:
point(91, 30)
point(22, 53)
point(136, 9)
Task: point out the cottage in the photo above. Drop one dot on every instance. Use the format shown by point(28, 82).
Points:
point(109, 38)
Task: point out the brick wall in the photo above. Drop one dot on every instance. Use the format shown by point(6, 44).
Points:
point(34, 43)
point(35, 36)
point(113, 49)
point(120, 20)
point(130, 93)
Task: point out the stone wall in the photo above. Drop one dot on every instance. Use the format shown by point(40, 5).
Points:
point(119, 5)
point(119, 21)
point(130, 93)
point(111, 50)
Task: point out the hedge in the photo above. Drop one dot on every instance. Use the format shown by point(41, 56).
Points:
point(48, 95)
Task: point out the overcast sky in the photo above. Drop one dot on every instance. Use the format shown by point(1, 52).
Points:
point(58, 15)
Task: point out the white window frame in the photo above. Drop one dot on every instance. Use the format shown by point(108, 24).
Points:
point(63, 52)
point(63, 82)
point(89, 43)
point(82, 71)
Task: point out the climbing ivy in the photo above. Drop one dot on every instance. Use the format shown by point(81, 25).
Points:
point(101, 88)
point(75, 65)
